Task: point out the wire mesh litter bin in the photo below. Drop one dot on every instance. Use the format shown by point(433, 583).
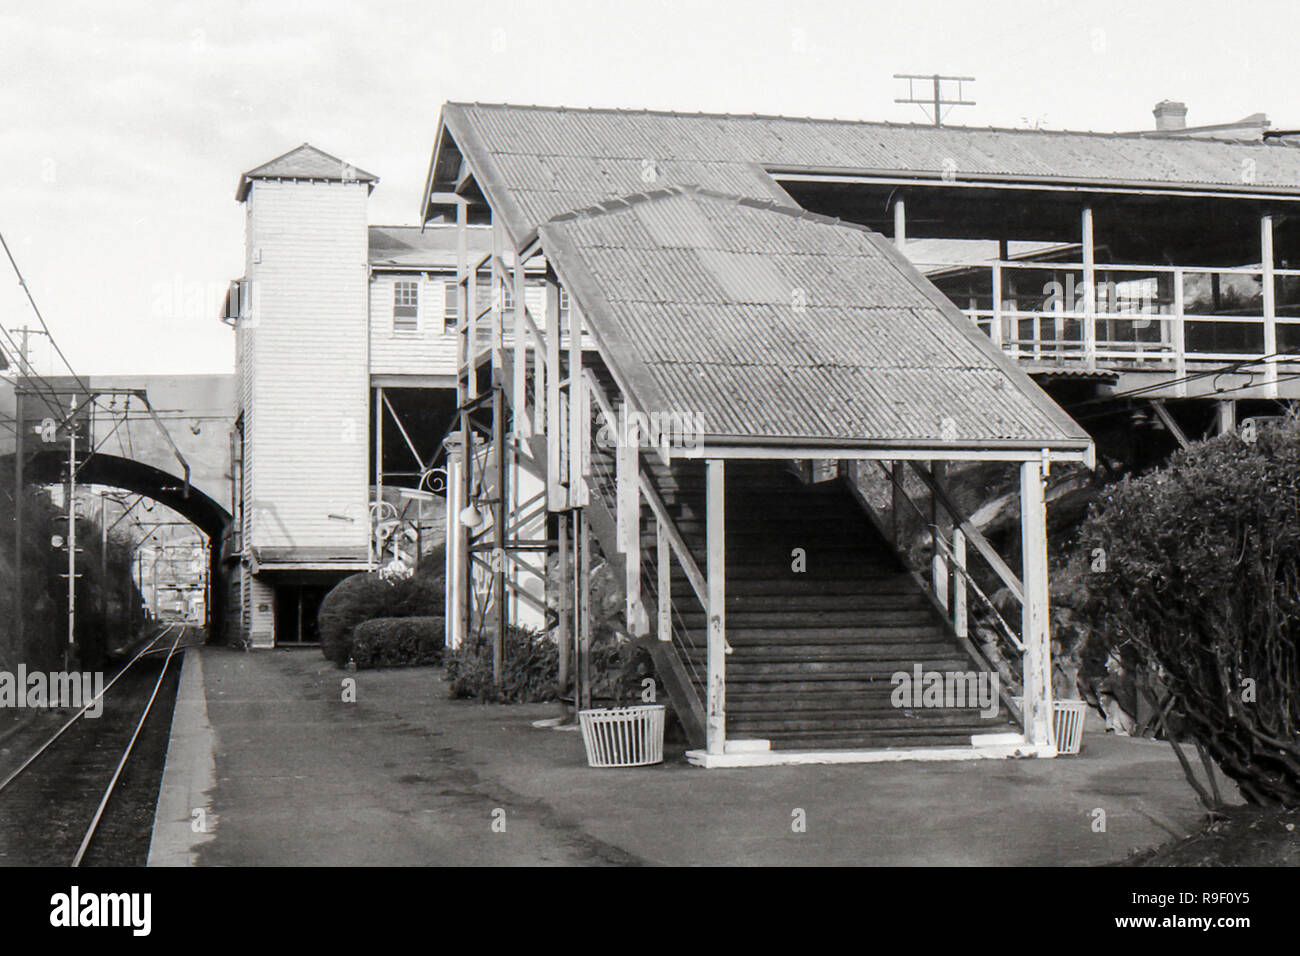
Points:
point(623, 736)
point(1067, 723)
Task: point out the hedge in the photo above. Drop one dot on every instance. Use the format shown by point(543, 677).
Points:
point(1197, 580)
point(367, 596)
point(397, 641)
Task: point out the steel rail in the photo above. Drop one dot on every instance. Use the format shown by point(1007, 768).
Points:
point(126, 754)
point(75, 717)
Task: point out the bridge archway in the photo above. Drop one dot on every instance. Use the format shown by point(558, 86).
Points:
point(137, 477)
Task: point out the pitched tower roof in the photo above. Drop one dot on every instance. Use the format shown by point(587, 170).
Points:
point(305, 163)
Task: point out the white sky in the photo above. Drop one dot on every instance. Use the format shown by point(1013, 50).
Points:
point(126, 125)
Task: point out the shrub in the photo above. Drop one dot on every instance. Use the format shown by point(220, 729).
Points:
point(1199, 583)
point(529, 671)
point(364, 597)
point(394, 641)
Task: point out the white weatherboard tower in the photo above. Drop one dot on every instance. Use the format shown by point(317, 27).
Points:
point(303, 383)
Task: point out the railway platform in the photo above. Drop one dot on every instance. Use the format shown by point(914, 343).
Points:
point(291, 765)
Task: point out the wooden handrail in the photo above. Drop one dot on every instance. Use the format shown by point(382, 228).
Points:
point(651, 495)
point(973, 534)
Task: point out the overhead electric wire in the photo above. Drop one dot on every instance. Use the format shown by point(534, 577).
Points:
point(35, 308)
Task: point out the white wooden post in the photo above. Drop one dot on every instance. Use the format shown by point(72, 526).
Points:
point(1180, 336)
point(1270, 309)
point(627, 487)
point(520, 422)
point(579, 414)
point(457, 581)
point(1227, 415)
point(663, 555)
point(556, 475)
point(1089, 291)
point(1035, 630)
point(959, 617)
point(940, 524)
point(715, 525)
point(995, 331)
point(900, 223)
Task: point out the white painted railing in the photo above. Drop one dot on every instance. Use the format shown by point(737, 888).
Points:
point(1160, 317)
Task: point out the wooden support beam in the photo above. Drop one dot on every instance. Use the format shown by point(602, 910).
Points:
point(995, 328)
point(579, 415)
point(1035, 629)
point(716, 530)
point(377, 396)
point(974, 536)
point(664, 582)
point(583, 584)
point(1179, 335)
point(520, 424)
point(456, 552)
point(556, 476)
point(1227, 415)
point(564, 591)
point(628, 511)
point(1270, 304)
point(900, 223)
point(1167, 420)
point(897, 502)
point(941, 528)
point(499, 497)
point(1089, 289)
point(960, 617)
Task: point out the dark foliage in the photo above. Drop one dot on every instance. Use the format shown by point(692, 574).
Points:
point(364, 597)
point(397, 641)
point(529, 667)
point(1199, 584)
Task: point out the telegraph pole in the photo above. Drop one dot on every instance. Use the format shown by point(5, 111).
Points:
point(72, 538)
point(935, 101)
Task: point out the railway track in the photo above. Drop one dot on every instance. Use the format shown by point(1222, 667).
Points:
point(64, 788)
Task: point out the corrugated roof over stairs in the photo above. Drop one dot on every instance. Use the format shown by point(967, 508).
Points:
point(538, 162)
point(778, 327)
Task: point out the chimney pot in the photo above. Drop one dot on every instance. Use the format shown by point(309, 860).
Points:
point(1170, 114)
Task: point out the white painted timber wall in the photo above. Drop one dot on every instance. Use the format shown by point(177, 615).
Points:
point(429, 351)
point(432, 349)
point(307, 388)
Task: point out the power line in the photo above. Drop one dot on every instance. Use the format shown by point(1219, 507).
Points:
point(35, 308)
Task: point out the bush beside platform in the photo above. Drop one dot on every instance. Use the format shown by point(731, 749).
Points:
point(397, 642)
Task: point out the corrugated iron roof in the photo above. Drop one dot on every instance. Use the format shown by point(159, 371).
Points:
point(433, 246)
point(538, 162)
point(305, 162)
point(776, 325)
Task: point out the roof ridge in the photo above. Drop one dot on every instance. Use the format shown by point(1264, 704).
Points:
point(887, 124)
point(631, 200)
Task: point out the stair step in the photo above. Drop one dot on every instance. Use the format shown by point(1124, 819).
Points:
point(806, 584)
point(825, 616)
point(796, 603)
point(896, 638)
point(741, 670)
point(888, 740)
point(933, 721)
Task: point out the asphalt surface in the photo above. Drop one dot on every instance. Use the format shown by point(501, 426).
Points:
point(299, 776)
